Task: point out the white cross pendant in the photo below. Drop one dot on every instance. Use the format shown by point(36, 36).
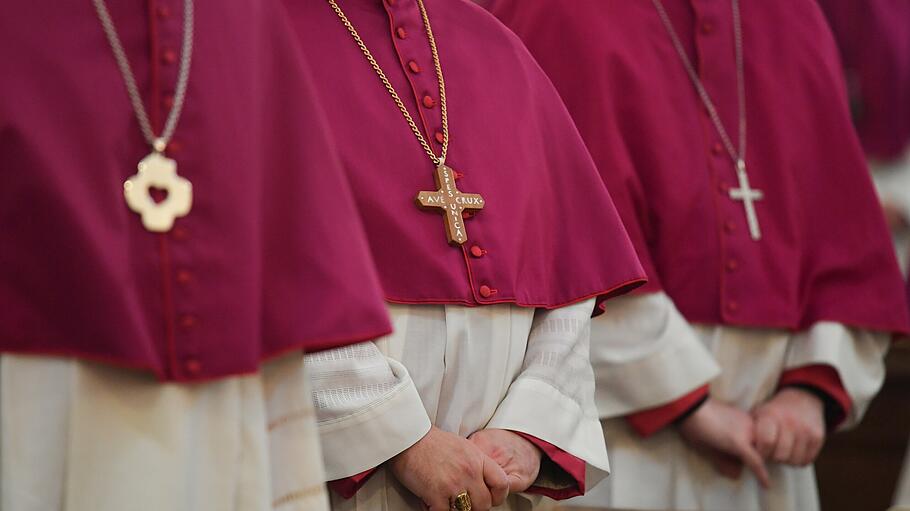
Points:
point(158, 171)
point(748, 196)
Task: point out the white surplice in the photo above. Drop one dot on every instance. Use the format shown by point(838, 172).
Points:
point(80, 436)
point(646, 354)
point(462, 369)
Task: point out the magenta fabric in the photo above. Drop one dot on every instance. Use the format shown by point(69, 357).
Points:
point(874, 41)
point(272, 257)
point(549, 234)
point(826, 253)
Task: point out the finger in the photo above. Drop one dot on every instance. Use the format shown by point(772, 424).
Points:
point(785, 442)
point(496, 480)
point(481, 499)
point(766, 434)
point(756, 463)
point(800, 453)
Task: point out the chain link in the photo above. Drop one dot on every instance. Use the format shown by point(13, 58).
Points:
point(738, 156)
point(159, 143)
point(437, 160)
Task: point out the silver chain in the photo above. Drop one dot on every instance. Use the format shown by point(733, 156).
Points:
point(739, 157)
point(159, 143)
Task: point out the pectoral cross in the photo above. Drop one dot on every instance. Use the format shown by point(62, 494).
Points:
point(748, 196)
point(158, 171)
point(451, 203)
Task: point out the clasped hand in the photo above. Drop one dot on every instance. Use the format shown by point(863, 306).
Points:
point(488, 465)
point(789, 428)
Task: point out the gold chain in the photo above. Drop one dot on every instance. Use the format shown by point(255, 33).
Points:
point(437, 160)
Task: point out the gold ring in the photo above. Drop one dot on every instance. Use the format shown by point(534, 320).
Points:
point(462, 502)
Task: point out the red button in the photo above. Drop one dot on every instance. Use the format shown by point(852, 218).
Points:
point(440, 137)
point(174, 146)
point(466, 214)
point(192, 366)
point(169, 56)
point(723, 187)
point(729, 226)
point(181, 233)
point(163, 11)
point(391, 2)
point(732, 306)
point(401, 32)
point(732, 265)
point(184, 277)
point(717, 149)
point(188, 321)
point(428, 102)
point(168, 101)
point(485, 291)
point(476, 251)
point(413, 67)
point(707, 27)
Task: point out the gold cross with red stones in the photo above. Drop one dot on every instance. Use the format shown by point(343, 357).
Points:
point(451, 203)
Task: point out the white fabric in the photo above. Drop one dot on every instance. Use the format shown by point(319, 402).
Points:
point(79, 436)
point(892, 182)
point(462, 369)
point(661, 472)
point(645, 335)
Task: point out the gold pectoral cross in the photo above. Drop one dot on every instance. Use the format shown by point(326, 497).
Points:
point(451, 203)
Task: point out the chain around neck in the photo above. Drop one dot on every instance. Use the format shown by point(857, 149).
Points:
point(437, 160)
point(159, 142)
point(738, 156)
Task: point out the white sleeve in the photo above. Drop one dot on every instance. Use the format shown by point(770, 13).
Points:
point(367, 408)
point(892, 182)
point(858, 356)
point(645, 354)
point(553, 396)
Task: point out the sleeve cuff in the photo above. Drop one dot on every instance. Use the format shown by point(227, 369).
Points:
point(652, 420)
point(349, 486)
point(560, 460)
point(823, 381)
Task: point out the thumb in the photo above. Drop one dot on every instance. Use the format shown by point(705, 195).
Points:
point(496, 480)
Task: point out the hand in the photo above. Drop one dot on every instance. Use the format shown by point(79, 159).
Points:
point(725, 435)
point(441, 465)
point(519, 458)
point(790, 428)
point(897, 222)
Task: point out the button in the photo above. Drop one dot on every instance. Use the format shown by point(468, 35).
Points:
point(458, 175)
point(476, 251)
point(192, 366)
point(168, 101)
point(732, 306)
point(401, 32)
point(486, 291)
point(184, 277)
point(169, 56)
point(732, 265)
point(180, 233)
point(428, 102)
point(723, 187)
point(187, 321)
point(466, 214)
point(163, 11)
point(717, 149)
point(440, 137)
point(413, 67)
point(391, 2)
point(729, 226)
point(174, 146)
point(707, 27)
